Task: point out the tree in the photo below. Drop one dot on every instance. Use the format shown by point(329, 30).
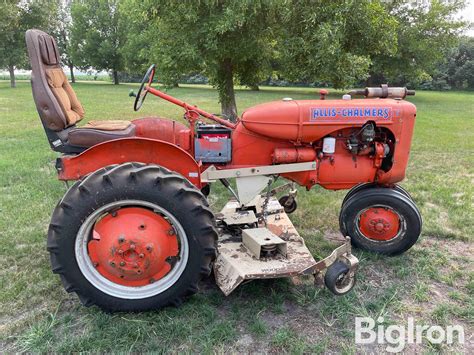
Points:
point(15, 18)
point(460, 69)
point(62, 33)
point(229, 41)
point(97, 35)
point(427, 33)
point(334, 41)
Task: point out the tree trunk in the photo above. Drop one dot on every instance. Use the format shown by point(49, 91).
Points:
point(71, 69)
point(115, 75)
point(11, 69)
point(226, 90)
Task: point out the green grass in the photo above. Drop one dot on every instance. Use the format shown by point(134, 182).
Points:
point(433, 282)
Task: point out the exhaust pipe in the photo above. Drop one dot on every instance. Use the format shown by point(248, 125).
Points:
point(384, 92)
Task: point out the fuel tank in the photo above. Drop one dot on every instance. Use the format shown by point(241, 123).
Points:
point(306, 121)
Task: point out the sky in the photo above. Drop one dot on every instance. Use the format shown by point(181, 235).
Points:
point(468, 15)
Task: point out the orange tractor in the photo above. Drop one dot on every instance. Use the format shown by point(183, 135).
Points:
point(135, 230)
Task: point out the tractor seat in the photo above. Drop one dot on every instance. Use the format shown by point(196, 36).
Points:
point(95, 132)
point(58, 105)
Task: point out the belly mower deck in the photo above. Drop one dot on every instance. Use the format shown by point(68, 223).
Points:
point(263, 245)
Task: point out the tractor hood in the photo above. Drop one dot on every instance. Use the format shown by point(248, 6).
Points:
point(310, 120)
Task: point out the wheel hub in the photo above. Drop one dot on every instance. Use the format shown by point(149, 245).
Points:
point(379, 223)
point(133, 246)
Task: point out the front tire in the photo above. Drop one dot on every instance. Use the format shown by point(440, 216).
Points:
point(381, 220)
point(132, 237)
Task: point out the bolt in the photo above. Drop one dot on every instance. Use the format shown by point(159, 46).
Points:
point(121, 239)
point(112, 263)
point(149, 248)
point(152, 280)
point(141, 255)
point(139, 272)
point(132, 246)
point(122, 263)
point(114, 214)
point(171, 231)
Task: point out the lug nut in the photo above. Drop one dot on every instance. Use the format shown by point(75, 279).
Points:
point(121, 239)
point(149, 248)
point(152, 280)
point(112, 264)
point(132, 246)
point(122, 263)
point(139, 272)
point(141, 255)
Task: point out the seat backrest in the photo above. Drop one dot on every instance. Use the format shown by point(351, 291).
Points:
point(56, 102)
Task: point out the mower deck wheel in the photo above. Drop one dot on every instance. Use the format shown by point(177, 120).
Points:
point(288, 207)
point(337, 278)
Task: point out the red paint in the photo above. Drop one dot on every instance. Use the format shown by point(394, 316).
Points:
point(378, 223)
point(125, 150)
point(189, 108)
point(294, 120)
point(278, 132)
point(293, 155)
point(130, 247)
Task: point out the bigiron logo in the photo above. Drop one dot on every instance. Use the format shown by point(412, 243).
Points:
point(350, 112)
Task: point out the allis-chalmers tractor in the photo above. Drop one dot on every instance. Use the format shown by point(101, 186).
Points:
point(135, 231)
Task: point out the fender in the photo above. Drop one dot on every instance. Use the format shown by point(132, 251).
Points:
point(119, 151)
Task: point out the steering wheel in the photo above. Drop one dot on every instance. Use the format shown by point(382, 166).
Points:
point(142, 92)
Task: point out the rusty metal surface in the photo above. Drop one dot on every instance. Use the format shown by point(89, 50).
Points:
point(235, 263)
point(240, 217)
point(262, 242)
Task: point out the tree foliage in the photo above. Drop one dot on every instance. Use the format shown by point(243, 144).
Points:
point(62, 32)
point(229, 41)
point(460, 68)
point(15, 18)
point(97, 35)
point(426, 32)
point(334, 40)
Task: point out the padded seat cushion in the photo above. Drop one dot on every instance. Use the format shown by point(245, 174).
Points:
point(65, 95)
point(112, 125)
point(87, 136)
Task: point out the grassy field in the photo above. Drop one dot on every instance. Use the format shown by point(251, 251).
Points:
point(433, 282)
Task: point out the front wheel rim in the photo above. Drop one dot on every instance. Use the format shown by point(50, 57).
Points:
point(140, 290)
point(380, 223)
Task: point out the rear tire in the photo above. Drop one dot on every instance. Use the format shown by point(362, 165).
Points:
point(149, 188)
point(381, 220)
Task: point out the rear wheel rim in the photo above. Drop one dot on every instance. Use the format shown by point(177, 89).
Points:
point(137, 282)
point(380, 223)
